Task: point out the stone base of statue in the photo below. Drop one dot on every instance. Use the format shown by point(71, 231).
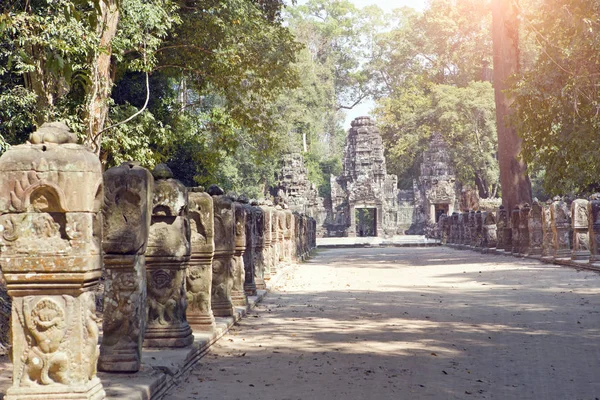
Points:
point(238, 295)
point(91, 391)
point(222, 283)
point(199, 282)
point(167, 303)
point(124, 319)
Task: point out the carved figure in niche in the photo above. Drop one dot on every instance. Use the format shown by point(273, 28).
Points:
point(46, 324)
point(221, 286)
point(122, 327)
point(197, 289)
point(90, 348)
point(163, 298)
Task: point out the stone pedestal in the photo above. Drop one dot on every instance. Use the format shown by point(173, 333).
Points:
point(514, 225)
point(472, 222)
point(238, 295)
point(454, 230)
point(490, 237)
point(249, 254)
point(479, 229)
point(167, 260)
point(267, 250)
point(535, 229)
point(259, 250)
point(222, 267)
point(524, 244)
point(580, 226)
point(561, 227)
point(275, 238)
point(50, 198)
point(547, 233)
point(127, 210)
point(594, 229)
point(199, 275)
point(288, 236)
point(501, 220)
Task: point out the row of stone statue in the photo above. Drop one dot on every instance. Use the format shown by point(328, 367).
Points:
point(171, 259)
point(554, 230)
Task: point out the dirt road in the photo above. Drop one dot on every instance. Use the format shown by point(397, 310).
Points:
point(412, 323)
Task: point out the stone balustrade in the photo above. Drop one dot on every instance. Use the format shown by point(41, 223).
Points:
point(558, 231)
point(174, 259)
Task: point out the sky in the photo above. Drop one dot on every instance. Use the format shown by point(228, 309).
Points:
point(365, 107)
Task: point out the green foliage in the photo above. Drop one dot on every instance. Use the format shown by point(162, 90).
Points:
point(431, 66)
point(558, 96)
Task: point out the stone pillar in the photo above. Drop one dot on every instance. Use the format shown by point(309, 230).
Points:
point(267, 239)
point(275, 238)
point(580, 226)
point(281, 234)
point(288, 235)
point(535, 229)
point(296, 238)
point(127, 210)
point(561, 226)
point(442, 223)
point(259, 250)
point(167, 260)
point(222, 267)
point(490, 237)
point(514, 225)
point(472, 242)
point(313, 237)
point(249, 254)
point(199, 275)
point(238, 295)
point(478, 229)
point(465, 237)
point(594, 229)
point(547, 233)
point(453, 228)
point(51, 192)
point(524, 229)
point(501, 220)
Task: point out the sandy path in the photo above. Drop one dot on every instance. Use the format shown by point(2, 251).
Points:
point(412, 323)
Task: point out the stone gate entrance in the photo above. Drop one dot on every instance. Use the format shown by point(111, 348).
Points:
point(366, 221)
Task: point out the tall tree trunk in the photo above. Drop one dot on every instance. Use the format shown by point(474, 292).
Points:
point(102, 81)
point(516, 187)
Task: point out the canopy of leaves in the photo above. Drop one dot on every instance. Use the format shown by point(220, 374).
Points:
point(431, 66)
point(557, 97)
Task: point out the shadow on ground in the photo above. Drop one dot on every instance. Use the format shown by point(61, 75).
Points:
point(409, 323)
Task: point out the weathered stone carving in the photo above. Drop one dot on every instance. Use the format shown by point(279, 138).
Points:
point(443, 222)
point(252, 235)
point(167, 258)
point(275, 240)
point(594, 228)
point(524, 244)
point(5, 305)
point(580, 226)
point(490, 236)
point(127, 210)
point(51, 192)
point(514, 225)
point(561, 226)
point(268, 240)
point(479, 229)
point(535, 229)
point(472, 222)
point(300, 194)
point(259, 250)
point(199, 275)
point(222, 267)
point(547, 233)
point(501, 221)
point(238, 295)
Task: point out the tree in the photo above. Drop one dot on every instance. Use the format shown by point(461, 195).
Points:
point(431, 67)
point(516, 187)
point(556, 96)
